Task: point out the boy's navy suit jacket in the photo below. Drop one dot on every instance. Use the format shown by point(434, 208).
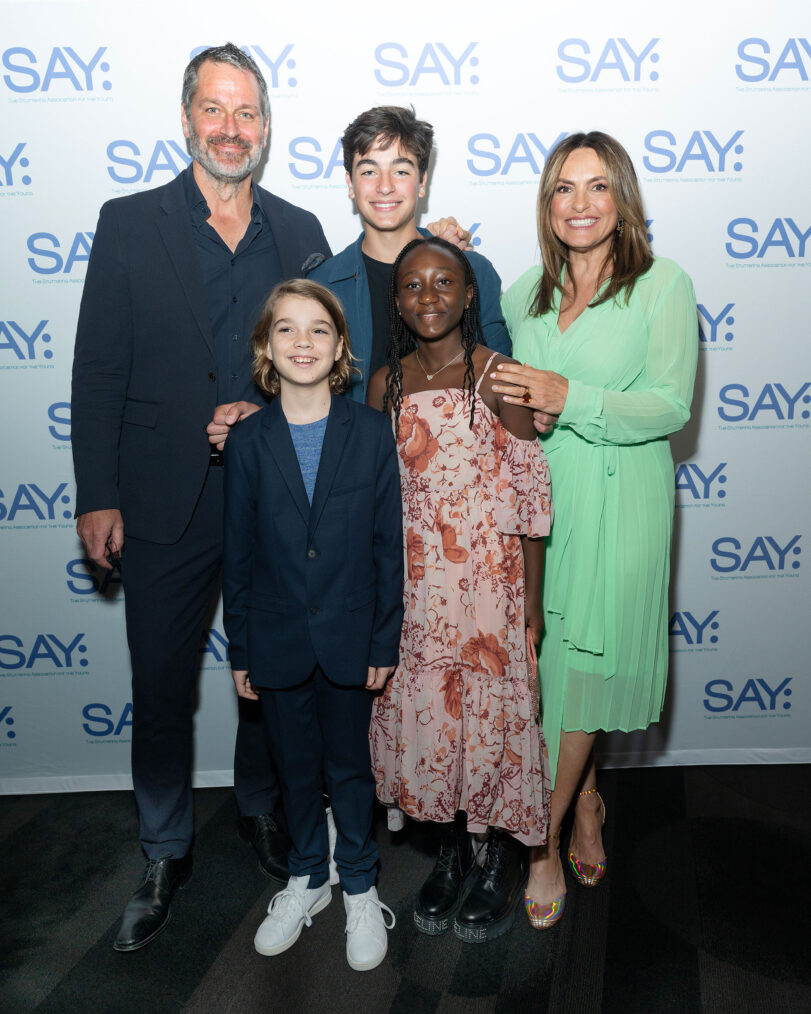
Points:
point(322, 584)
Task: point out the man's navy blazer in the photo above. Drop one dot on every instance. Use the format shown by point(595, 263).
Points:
point(322, 584)
point(144, 370)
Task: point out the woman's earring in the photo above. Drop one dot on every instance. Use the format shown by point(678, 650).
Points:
point(620, 226)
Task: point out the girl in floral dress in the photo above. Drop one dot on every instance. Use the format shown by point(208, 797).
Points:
point(454, 737)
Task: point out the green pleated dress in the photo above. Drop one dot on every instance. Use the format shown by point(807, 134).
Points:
point(604, 656)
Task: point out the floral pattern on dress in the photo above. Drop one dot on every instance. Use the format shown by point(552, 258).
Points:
point(454, 727)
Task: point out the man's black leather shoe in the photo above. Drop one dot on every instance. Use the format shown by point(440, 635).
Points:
point(489, 908)
point(441, 894)
point(147, 911)
point(272, 844)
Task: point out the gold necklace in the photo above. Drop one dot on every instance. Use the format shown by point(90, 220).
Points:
point(430, 376)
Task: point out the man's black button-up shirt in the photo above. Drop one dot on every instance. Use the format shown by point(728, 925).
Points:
point(237, 284)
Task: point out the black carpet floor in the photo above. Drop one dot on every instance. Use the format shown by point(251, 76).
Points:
point(704, 909)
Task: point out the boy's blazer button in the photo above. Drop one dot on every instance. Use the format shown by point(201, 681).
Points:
point(212, 376)
point(311, 554)
point(314, 610)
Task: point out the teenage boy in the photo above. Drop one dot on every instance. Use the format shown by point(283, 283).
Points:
point(386, 153)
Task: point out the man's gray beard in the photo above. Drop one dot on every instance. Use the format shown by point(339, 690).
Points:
point(229, 173)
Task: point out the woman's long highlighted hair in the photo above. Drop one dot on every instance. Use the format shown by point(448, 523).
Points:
point(630, 253)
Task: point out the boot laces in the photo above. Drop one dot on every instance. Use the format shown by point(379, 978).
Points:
point(265, 824)
point(493, 865)
point(150, 873)
point(448, 859)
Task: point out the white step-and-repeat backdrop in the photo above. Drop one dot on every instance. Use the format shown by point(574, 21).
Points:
point(711, 100)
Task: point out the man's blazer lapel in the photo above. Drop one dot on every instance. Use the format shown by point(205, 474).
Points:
point(175, 229)
point(331, 453)
point(284, 232)
point(280, 443)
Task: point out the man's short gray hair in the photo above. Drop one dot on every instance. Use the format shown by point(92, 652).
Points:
point(233, 55)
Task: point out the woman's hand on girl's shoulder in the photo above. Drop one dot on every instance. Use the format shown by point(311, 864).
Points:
point(516, 418)
point(543, 391)
point(481, 358)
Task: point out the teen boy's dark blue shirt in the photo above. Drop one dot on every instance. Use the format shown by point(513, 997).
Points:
point(237, 284)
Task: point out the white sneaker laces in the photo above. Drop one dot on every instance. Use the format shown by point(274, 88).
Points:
point(362, 915)
point(290, 901)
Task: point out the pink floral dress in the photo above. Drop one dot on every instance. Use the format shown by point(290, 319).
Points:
point(454, 728)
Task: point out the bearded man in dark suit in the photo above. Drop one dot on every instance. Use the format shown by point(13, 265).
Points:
point(176, 279)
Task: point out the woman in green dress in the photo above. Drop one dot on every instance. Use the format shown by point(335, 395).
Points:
point(611, 338)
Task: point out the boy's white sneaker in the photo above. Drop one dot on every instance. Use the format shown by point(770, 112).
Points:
point(332, 835)
point(366, 940)
point(289, 912)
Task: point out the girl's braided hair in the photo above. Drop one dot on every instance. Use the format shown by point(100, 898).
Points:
point(402, 340)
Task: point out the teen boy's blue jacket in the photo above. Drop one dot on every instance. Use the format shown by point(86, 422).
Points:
point(345, 275)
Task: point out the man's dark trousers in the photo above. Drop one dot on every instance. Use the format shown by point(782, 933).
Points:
point(170, 593)
point(144, 389)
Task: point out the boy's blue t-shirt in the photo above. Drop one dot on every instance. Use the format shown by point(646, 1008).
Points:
point(307, 441)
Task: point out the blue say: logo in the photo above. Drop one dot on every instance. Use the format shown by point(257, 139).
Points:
point(62, 66)
point(617, 60)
